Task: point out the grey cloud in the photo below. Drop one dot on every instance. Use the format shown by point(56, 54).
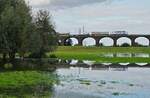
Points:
point(61, 4)
point(73, 3)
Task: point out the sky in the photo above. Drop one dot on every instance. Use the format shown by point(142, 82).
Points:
point(97, 15)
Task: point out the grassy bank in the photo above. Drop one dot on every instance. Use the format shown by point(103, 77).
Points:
point(93, 53)
point(26, 84)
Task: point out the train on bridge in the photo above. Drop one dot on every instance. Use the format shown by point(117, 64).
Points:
point(97, 33)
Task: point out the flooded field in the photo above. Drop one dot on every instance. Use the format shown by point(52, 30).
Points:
point(74, 79)
point(121, 82)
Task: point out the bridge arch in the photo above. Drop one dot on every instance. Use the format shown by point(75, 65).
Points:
point(59, 42)
point(72, 41)
point(89, 41)
point(124, 40)
point(142, 41)
point(106, 41)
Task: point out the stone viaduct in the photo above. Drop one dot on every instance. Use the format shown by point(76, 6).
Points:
point(62, 38)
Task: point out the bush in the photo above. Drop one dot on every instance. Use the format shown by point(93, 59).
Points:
point(139, 45)
point(125, 45)
point(52, 56)
point(8, 65)
point(101, 44)
point(37, 55)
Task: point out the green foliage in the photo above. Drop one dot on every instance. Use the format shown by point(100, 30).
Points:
point(68, 42)
point(53, 56)
point(140, 45)
point(101, 44)
point(26, 84)
point(15, 21)
point(125, 45)
point(25, 78)
point(8, 65)
point(45, 37)
point(116, 93)
point(86, 82)
point(21, 33)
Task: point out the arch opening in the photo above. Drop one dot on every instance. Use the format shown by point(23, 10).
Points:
point(142, 41)
point(59, 42)
point(89, 42)
point(71, 42)
point(106, 41)
point(124, 41)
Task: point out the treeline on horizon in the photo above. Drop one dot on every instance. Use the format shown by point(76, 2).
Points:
point(22, 33)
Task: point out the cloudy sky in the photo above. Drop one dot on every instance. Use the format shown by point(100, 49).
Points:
point(98, 15)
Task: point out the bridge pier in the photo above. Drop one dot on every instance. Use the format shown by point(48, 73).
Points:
point(62, 42)
point(133, 43)
point(80, 42)
point(97, 41)
point(115, 43)
point(149, 41)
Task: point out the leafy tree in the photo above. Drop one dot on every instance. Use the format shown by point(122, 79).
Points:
point(44, 37)
point(15, 21)
point(21, 33)
point(6, 18)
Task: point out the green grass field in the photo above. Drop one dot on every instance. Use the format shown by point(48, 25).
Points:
point(94, 53)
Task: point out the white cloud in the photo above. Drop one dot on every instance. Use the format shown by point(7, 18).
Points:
point(38, 2)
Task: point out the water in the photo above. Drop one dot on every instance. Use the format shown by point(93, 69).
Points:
point(144, 55)
point(80, 79)
point(79, 82)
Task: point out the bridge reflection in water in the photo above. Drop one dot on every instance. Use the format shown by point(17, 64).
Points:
point(92, 65)
point(53, 64)
point(88, 79)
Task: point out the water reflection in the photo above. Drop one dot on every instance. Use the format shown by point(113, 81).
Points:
point(124, 64)
point(142, 55)
point(106, 63)
point(103, 82)
point(74, 79)
point(73, 62)
point(125, 55)
point(142, 64)
point(86, 63)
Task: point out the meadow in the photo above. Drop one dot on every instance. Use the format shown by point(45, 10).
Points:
point(94, 53)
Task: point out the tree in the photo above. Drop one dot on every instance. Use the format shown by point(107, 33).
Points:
point(15, 21)
point(44, 38)
point(21, 33)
